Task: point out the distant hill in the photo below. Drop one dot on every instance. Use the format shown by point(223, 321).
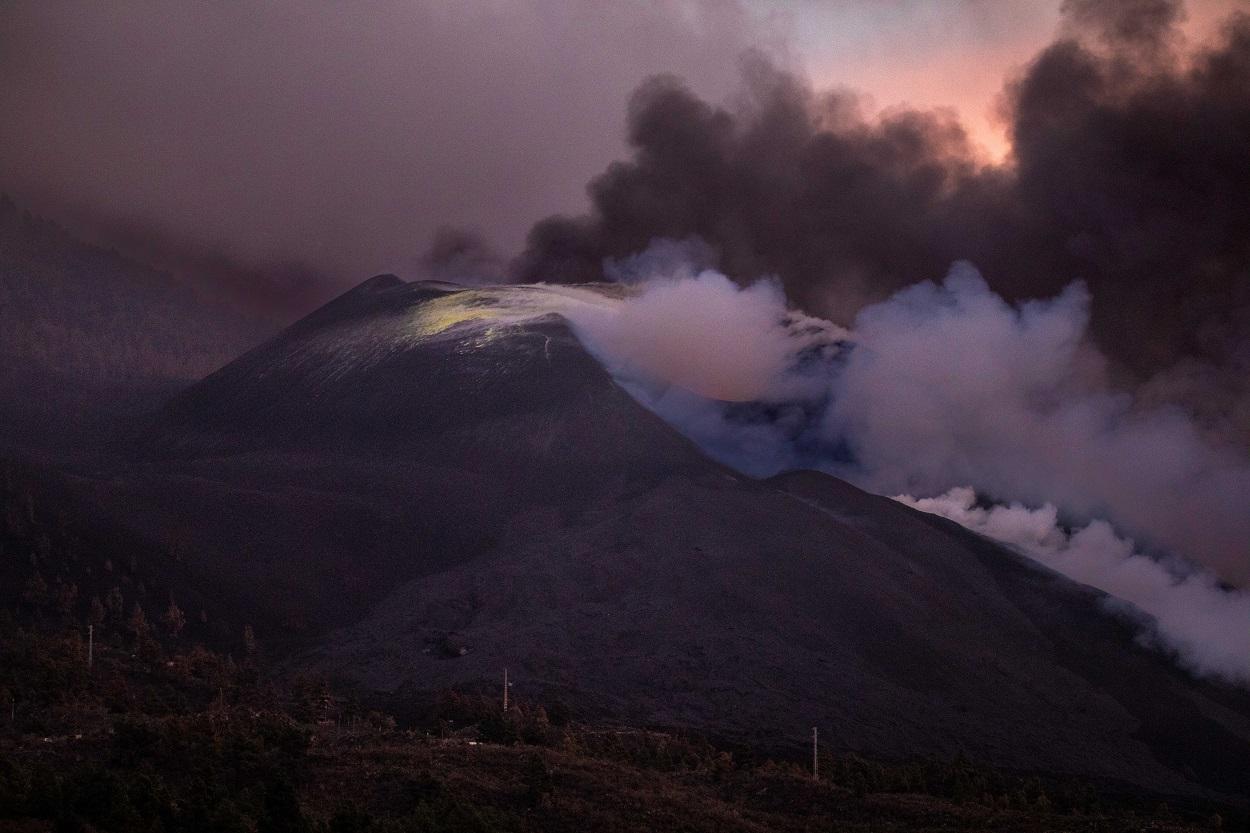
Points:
point(87, 335)
point(88, 312)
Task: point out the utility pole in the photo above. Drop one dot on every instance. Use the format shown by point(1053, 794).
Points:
point(505, 688)
point(815, 757)
point(90, 645)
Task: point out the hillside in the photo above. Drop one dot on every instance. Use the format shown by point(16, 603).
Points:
point(91, 313)
point(182, 722)
point(417, 467)
point(160, 733)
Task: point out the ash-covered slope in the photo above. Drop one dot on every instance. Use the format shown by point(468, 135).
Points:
point(389, 365)
point(416, 460)
point(397, 430)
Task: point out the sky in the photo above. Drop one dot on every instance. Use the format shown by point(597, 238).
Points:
point(285, 151)
point(922, 54)
point(344, 139)
point(936, 54)
point(341, 136)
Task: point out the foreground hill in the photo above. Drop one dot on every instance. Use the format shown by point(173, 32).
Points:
point(162, 734)
point(421, 485)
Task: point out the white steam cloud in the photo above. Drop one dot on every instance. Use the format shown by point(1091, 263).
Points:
point(692, 345)
point(700, 332)
point(1206, 626)
point(947, 385)
point(950, 385)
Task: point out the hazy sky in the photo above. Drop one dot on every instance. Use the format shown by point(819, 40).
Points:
point(341, 134)
point(935, 53)
point(920, 52)
point(345, 135)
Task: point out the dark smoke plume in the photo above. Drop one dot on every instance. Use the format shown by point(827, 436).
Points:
point(1130, 172)
point(462, 256)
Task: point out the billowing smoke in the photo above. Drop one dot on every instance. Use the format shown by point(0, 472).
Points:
point(705, 335)
point(459, 255)
point(942, 385)
point(1206, 626)
point(946, 385)
point(1128, 173)
point(1103, 369)
point(950, 385)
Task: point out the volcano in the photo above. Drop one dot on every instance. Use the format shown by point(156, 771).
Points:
point(420, 465)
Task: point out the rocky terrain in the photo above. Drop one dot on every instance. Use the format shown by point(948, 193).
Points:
point(419, 485)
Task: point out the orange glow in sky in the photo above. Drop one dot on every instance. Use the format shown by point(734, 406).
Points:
point(938, 54)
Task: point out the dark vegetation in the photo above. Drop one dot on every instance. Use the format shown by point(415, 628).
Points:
point(169, 736)
point(180, 724)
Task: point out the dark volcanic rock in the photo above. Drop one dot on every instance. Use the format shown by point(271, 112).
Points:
point(415, 463)
point(387, 435)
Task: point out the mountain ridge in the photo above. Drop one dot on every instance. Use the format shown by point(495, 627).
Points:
point(416, 462)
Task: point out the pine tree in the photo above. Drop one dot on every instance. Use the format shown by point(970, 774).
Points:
point(66, 597)
point(97, 612)
point(138, 622)
point(35, 593)
point(174, 620)
point(115, 603)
